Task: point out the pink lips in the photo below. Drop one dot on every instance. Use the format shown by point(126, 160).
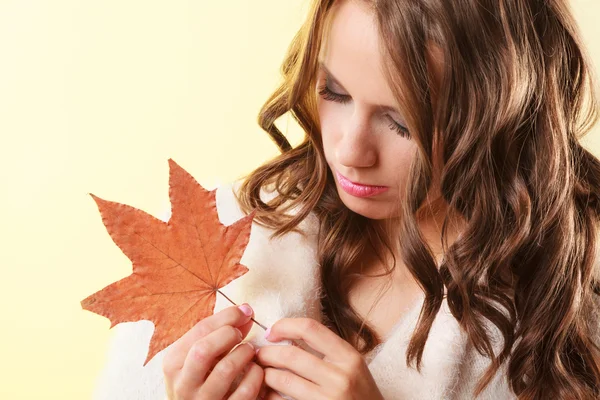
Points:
point(358, 190)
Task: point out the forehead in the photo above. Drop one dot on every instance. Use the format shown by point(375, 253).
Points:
point(351, 53)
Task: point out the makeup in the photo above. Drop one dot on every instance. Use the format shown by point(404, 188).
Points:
point(358, 190)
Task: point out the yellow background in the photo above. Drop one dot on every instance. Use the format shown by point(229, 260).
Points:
point(95, 96)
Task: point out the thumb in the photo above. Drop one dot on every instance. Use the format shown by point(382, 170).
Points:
point(246, 326)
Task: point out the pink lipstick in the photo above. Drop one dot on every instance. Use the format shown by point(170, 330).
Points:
point(358, 190)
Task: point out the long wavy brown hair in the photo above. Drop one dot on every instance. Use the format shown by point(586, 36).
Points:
point(516, 96)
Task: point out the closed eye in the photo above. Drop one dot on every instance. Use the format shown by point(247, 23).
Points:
point(330, 95)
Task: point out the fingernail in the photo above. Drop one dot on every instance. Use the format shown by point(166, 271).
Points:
point(239, 332)
point(246, 309)
point(267, 333)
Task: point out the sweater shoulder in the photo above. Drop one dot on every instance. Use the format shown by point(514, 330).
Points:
point(283, 278)
point(229, 209)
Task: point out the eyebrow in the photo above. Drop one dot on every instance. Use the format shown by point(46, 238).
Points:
point(335, 81)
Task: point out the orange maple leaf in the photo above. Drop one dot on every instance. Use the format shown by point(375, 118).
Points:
point(178, 266)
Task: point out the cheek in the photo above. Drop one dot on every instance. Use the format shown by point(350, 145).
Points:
point(397, 151)
point(330, 119)
point(396, 157)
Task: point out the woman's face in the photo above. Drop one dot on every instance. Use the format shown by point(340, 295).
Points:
point(365, 138)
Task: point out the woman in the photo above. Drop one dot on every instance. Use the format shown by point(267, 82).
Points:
point(451, 210)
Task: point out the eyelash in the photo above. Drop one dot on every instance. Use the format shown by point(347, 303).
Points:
point(329, 95)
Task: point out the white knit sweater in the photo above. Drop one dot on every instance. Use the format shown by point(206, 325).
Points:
point(283, 281)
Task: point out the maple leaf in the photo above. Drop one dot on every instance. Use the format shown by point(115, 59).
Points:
point(178, 266)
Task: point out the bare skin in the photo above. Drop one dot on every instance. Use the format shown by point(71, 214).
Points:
point(206, 360)
point(342, 373)
point(383, 300)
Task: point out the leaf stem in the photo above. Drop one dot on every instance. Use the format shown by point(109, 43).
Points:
point(294, 343)
point(232, 302)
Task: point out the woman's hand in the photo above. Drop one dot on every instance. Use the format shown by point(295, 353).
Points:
point(201, 365)
point(342, 374)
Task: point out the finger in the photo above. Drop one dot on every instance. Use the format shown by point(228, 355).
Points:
point(315, 334)
point(245, 328)
point(203, 353)
point(298, 361)
point(250, 385)
point(233, 316)
point(218, 382)
point(288, 383)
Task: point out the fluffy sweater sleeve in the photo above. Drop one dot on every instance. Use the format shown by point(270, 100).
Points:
point(270, 263)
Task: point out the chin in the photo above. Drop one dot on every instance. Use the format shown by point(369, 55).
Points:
point(371, 208)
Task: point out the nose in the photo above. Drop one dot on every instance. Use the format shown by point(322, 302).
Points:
point(356, 147)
